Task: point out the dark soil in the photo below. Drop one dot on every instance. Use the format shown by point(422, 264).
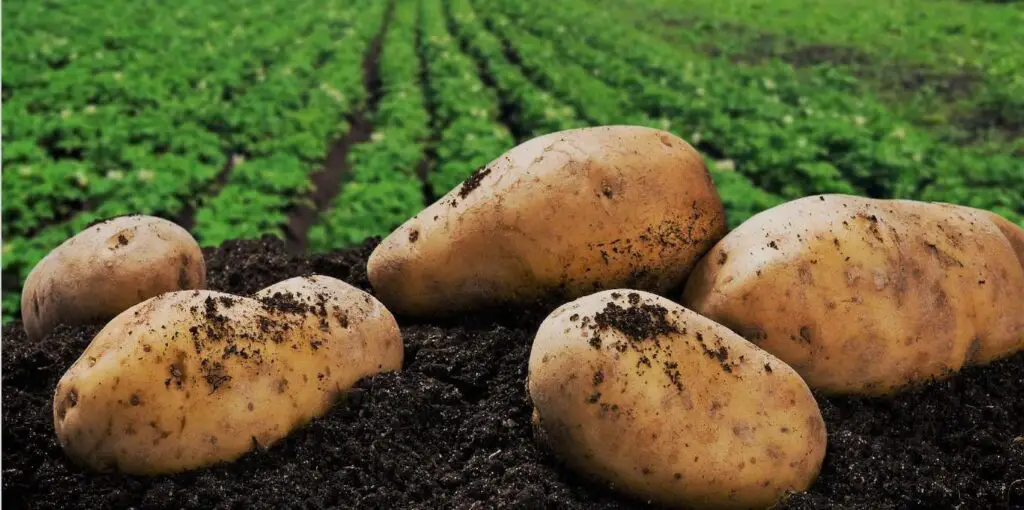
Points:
point(327, 181)
point(452, 430)
point(473, 181)
point(639, 322)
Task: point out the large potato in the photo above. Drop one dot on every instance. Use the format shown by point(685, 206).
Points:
point(562, 215)
point(107, 268)
point(669, 406)
point(188, 379)
point(865, 295)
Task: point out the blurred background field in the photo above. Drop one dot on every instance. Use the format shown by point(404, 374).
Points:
point(325, 122)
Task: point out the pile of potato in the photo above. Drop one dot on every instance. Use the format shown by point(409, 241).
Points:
point(704, 403)
point(679, 369)
point(181, 377)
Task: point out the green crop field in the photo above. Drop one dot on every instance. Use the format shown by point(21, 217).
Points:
point(325, 122)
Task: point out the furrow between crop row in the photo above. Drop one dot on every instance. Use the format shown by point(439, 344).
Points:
point(466, 113)
point(526, 109)
point(278, 191)
point(507, 111)
point(328, 181)
point(187, 219)
point(383, 188)
point(429, 159)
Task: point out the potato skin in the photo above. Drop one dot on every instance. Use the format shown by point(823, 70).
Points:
point(107, 268)
point(559, 216)
point(189, 379)
point(1013, 233)
point(867, 296)
point(669, 406)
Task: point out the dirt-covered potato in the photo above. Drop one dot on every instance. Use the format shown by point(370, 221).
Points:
point(107, 268)
point(635, 390)
point(191, 378)
point(562, 215)
point(865, 295)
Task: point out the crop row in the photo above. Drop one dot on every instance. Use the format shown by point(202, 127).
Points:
point(275, 117)
point(596, 101)
point(962, 85)
point(384, 189)
point(533, 110)
point(534, 84)
point(465, 110)
point(219, 115)
point(88, 123)
point(542, 61)
point(948, 35)
point(287, 126)
point(540, 111)
point(434, 101)
point(787, 137)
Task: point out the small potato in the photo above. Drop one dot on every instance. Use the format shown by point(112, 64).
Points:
point(189, 379)
point(107, 268)
point(633, 389)
point(559, 216)
point(868, 296)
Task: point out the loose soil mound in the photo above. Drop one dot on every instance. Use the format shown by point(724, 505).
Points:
point(453, 430)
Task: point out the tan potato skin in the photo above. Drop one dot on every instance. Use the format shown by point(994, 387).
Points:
point(106, 269)
point(866, 296)
point(566, 213)
point(736, 437)
point(1013, 233)
point(168, 386)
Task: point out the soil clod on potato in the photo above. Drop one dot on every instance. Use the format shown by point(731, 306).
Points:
point(453, 429)
point(285, 302)
point(639, 322)
point(473, 182)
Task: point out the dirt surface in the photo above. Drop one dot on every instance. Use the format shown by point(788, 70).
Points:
point(452, 430)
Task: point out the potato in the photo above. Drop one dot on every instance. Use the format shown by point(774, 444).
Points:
point(867, 296)
point(633, 389)
point(107, 268)
point(559, 216)
point(188, 379)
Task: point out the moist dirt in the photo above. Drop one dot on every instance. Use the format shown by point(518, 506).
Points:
point(452, 430)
